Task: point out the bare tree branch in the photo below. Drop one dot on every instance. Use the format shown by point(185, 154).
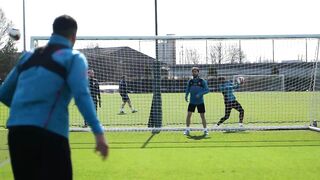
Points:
point(8, 51)
point(192, 56)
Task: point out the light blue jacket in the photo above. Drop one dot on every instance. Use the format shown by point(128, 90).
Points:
point(227, 89)
point(39, 97)
point(197, 87)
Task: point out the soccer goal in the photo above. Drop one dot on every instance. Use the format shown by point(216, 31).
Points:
point(281, 88)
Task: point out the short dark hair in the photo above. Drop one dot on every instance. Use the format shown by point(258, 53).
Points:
point(65, 26)
point(195, 68)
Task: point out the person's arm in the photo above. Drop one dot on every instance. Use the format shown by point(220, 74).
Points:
point(126, 87)
point(236, 85)
point(120, 87)
point(79, 85)
point(8, 87)
point(101, 145)
point(187, 91)
point(78, 82)
point(205, 88)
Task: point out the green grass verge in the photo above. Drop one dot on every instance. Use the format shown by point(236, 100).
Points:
point(3, 145)
point(170, 155)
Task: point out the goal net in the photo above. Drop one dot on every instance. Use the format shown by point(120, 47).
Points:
point(261, 82)
point(281, 87)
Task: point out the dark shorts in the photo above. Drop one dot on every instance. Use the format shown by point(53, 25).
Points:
point(233, 105)
point(200, 107)
point(125, 97)
point(37, 153)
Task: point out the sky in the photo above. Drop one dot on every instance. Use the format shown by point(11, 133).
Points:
point(179, 17)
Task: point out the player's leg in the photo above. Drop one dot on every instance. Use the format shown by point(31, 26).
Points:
point(201, 110)
point(124, 100)
point(191, 108)
point(239, 108)
point(56, 158)
point(203, 119)
point(227, 111)
point(129, 103)
point(25, 147)
point(122, 107)
point(131, 107)
point(188, 121)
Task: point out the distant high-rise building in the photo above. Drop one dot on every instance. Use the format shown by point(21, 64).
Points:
point(167, 51)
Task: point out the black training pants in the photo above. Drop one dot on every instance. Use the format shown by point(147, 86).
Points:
point(39, 154)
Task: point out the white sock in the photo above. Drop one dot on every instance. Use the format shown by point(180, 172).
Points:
point(188, 129)
point(205, 129)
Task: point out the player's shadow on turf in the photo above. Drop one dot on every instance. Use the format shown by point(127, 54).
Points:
point(149, 139)
point(234, 131)
point(198, 137)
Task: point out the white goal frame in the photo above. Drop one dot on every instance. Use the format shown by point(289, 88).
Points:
point(35, 39)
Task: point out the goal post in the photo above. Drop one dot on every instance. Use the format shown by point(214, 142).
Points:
point(279, 71)
point(315, 98)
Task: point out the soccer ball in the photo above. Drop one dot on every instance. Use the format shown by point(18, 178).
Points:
point(240, 80)
point(14, 34)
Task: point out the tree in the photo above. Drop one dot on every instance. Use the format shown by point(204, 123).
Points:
point(8, 51)
point(193, 56)
point(217, 54)
point(236, 55)
point(8, 58)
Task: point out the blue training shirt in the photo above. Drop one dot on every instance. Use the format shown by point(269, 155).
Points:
point(197, 87)
point(227, 89)
point(39, 97)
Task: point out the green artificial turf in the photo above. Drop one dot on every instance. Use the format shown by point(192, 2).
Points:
point(260, 107)
point(221, 155)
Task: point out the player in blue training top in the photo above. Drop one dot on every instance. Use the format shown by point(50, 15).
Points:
point(123, 90)
point(230, 102)
point(38, 91)
point(196, 87)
